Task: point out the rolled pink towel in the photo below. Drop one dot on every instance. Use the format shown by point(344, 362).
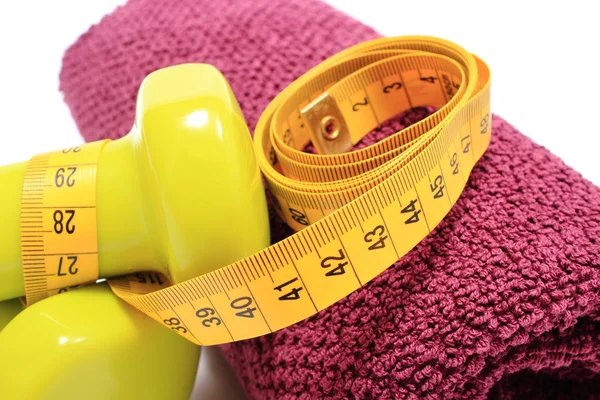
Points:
point(500, 301)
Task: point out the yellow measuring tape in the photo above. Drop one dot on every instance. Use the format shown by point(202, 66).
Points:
point(357, 212)
point(56, 187)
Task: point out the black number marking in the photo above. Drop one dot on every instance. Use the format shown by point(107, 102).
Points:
point(152, 277)
point(66, 289)
point(209, 322)
point(58, 221)
point(293, 294)
point(273, 156)
point(393, 86)
point(299, 217)
point(174, 324)
point(447, 83)
point(465, 143)
point(454, 163)
point(70, 270)
point(437, 187)
point(484, 124)
point(204, 314)
point(70, 179)
point(241, 303)
point(379, 231)
point(357, 106)
point(287, 137)
point(430, 79)
point(59, 178)
point(341, 263)
point(58, 217)
point(411, 208)
point(179, 328)
point(71, 149)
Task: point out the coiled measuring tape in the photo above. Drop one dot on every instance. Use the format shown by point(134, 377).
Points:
point(356, 212)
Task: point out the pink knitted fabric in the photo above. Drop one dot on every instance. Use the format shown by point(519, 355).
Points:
point(501, 301)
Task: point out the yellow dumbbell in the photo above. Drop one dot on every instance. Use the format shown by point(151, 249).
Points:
point(88, 344)
point(181, 194)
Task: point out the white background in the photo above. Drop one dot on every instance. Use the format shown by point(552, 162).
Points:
point(544, 58)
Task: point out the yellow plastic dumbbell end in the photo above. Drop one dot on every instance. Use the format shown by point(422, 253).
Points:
point(88, 344)
point(181, 194)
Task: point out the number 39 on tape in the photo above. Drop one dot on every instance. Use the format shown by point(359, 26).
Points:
point(356, 212)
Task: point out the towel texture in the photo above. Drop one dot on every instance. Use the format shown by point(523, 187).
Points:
point(501, 301)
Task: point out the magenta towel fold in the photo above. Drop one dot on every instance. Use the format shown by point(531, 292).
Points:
point(501, 301)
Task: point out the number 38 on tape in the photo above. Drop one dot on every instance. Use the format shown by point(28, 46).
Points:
point(356, 212)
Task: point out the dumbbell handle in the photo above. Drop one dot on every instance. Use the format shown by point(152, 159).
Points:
point(124, 243)
point(173, 195)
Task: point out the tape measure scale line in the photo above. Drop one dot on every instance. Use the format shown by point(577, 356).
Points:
point(279, 286)
point(284, 182)
point(373, 151)
point(356, 212)
point(56, 187)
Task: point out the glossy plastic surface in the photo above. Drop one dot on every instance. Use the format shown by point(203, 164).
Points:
point(88, 344)
point(11, 273)
point(181, 194)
